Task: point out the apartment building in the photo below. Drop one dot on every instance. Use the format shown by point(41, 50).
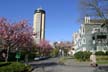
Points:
point(91, 36)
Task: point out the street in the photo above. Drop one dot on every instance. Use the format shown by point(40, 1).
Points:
point(52, 65)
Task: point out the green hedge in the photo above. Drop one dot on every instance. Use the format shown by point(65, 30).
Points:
point(15, 67)
point(31, 56)
point(100, 53)
point(12, 57)
point(82, 56)
point(106, 53)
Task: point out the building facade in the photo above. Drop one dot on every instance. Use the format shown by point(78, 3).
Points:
point(39, 25)
point(91, 36)
point(75, 37)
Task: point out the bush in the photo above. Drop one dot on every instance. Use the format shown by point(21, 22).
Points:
point(82, 56)
point(12, 56)
point(55, 52)
point(78, 55)
point(31, 56)
point(99, 53)
point(15, 67)
point(106, 53)
point(4, 64)
point(86, 56)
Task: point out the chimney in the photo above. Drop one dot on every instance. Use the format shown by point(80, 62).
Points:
point(87, 19)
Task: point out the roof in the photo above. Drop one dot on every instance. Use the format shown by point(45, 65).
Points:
point(39, 10)
point(96, 21)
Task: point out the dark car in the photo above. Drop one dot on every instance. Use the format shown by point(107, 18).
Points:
point(41, 58)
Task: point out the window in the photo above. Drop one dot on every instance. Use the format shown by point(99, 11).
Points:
point(103, 29)
point(83, 30)
point(79, 44)
point(84, 48)
point(101, 37)
point(83, 41)
point(96, 30)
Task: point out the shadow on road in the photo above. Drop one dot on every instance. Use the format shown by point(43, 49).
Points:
point(101, 69)
point(45, 64)
point(78, 66)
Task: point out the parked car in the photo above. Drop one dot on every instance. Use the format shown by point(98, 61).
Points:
point(37, 58)
point(41, 58)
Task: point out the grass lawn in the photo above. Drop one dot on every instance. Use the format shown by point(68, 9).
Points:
point(102, 59)
point(64, 58)
point(102, 62)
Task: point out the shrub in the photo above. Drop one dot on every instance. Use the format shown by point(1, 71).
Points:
point(100, 53)
point(86, 55)
point(15, 67)
point(4, 64)
point(106, 52)
point(31, 56)
point(55, 52)
point(78, 55)
point(82, 56)
point(12, 56)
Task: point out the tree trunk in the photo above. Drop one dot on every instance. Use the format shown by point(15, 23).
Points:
point(26, 58)
point(7, 56)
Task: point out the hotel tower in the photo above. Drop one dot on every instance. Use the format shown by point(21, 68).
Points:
point(39, 25)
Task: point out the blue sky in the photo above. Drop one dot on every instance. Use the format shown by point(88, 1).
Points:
point(61, 15)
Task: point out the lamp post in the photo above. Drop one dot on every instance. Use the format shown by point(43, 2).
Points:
point(18, 54)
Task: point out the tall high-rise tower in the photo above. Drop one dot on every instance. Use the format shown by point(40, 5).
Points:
point(39, 24)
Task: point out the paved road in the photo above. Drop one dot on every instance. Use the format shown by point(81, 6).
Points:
point(51, 65)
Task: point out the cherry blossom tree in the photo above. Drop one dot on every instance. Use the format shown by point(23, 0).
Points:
point(44, 48)
point(15, 36)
